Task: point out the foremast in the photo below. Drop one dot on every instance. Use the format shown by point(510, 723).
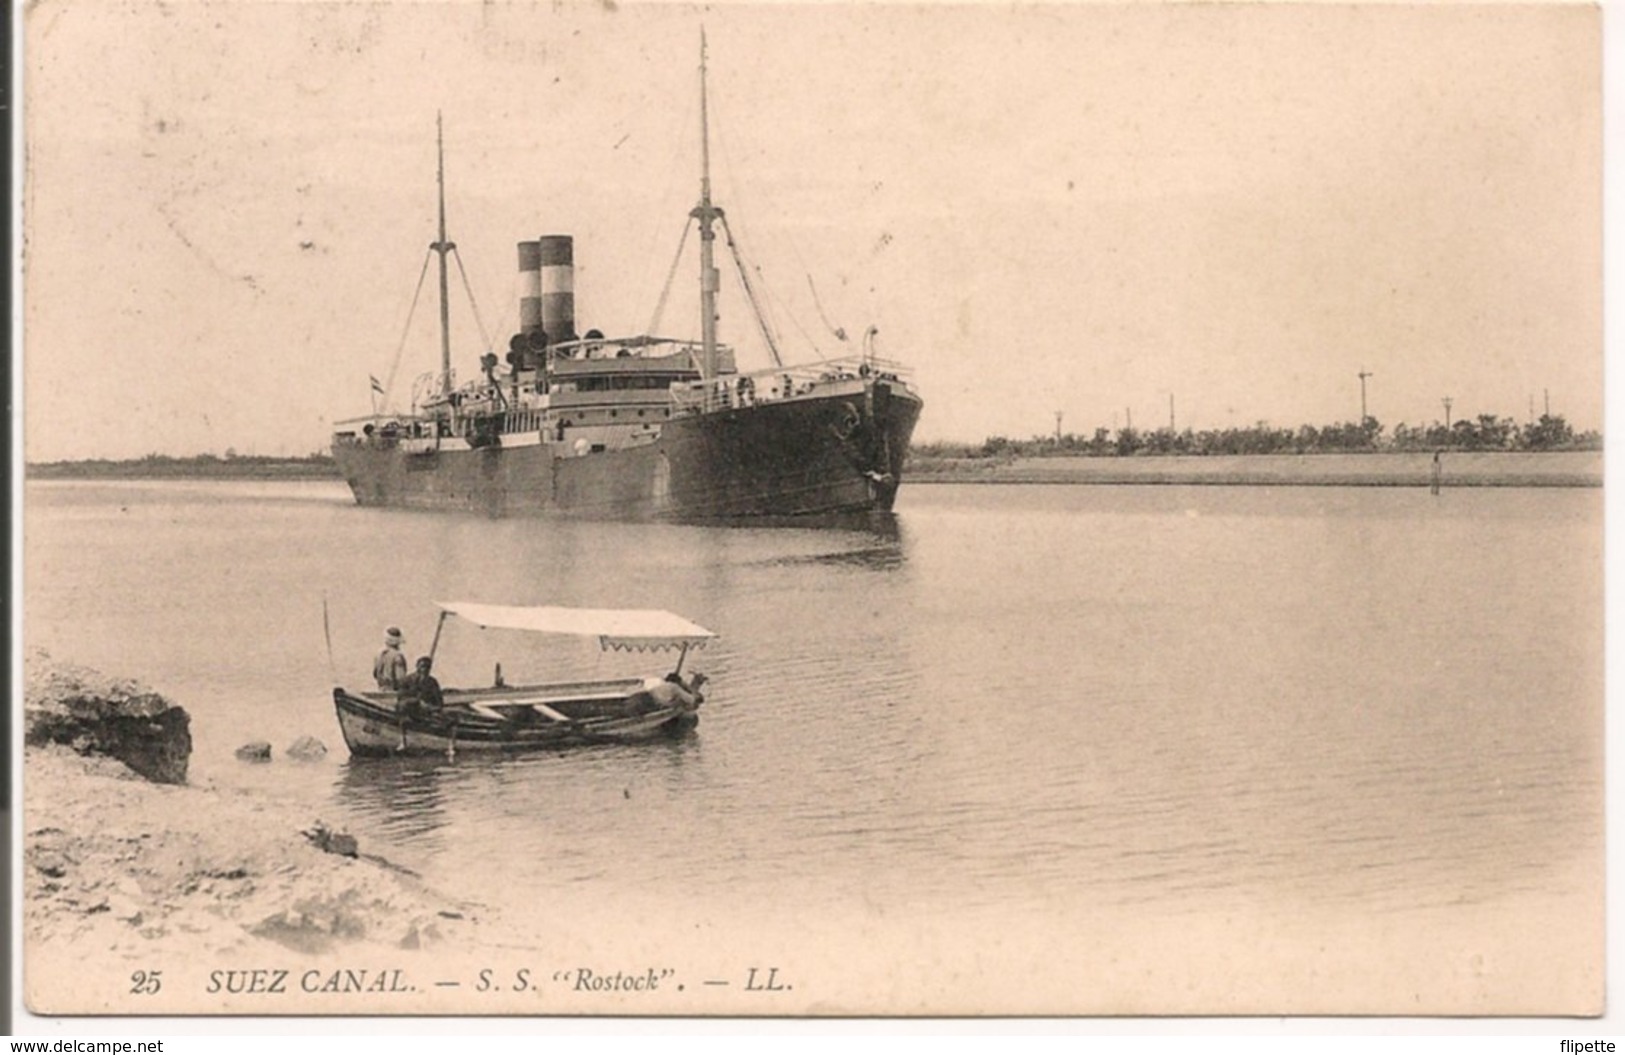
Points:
point(707, 214)
point(442, 247)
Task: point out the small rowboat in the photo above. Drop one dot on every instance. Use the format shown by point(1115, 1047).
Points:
point(520, 717)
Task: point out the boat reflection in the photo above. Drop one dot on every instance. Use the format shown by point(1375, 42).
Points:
point(411, 800)
point(401, 797)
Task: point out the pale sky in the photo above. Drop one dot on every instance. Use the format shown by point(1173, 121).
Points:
point(1082, 209)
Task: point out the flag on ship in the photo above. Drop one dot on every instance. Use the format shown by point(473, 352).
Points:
point(377, 385)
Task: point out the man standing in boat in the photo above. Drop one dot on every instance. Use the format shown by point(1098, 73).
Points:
point(389, 669)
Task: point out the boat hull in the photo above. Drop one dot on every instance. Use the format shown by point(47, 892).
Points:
point(835, 453)
point(373, 724)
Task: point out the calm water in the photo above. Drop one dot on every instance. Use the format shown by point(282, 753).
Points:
point(1137, 702)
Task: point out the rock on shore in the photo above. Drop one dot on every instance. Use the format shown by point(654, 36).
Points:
point(98, 715)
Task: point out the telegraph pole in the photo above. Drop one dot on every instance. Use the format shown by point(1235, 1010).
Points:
point(1171, 427)
point(1057, 428)
point(1446, 401)
point(1364, 373)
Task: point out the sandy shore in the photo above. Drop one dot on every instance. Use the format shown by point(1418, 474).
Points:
point(131, 876)
point(1483, 469)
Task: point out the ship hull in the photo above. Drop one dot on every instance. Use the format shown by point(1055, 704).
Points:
point(835, 453)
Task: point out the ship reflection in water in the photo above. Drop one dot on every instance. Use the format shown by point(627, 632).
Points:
point(873, 541)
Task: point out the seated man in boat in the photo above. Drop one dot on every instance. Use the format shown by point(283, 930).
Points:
point(420, 692)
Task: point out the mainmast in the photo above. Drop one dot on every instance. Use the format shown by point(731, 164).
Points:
point(707, 214)
point(443, 247)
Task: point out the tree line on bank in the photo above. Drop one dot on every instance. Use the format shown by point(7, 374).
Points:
point(232, 465)
point(1486, 432)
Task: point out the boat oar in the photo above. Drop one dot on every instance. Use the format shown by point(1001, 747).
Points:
point(327, 629)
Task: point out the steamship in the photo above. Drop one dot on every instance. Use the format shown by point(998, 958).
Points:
point(642, 427)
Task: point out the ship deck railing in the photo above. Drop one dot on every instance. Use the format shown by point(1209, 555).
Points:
point(778, 384)
point(383, 418)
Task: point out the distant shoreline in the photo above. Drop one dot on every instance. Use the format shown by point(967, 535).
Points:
point(1375, 469)
point(202, 467)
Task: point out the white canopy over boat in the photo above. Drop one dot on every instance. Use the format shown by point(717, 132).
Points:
point(630, 629)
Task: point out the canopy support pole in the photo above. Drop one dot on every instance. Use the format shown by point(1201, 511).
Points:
point(680, 657)
point(435, 644)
